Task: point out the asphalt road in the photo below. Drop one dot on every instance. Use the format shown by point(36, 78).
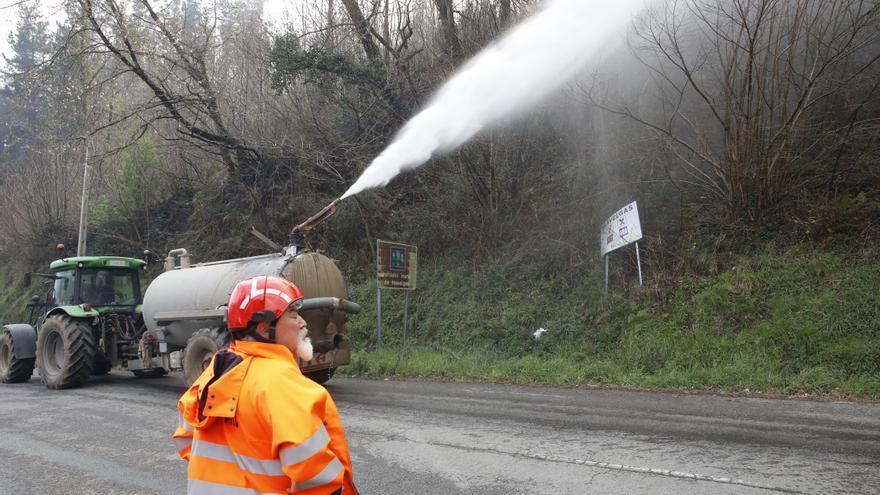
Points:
point(113, 437)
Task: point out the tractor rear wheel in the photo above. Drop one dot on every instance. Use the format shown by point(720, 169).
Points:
point(200, 349)
point(13, 369)
point(66, 350)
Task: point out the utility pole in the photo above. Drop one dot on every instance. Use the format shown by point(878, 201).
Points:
point(83, 217)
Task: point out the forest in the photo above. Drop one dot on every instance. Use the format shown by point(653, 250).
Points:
point(748, 131)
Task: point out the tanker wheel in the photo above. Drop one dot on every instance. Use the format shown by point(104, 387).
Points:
point(151, 373)
point(321, 376)
point(12, 369)
point(66, 348)
point(200, 349)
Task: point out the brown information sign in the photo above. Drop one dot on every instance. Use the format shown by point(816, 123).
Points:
point(396, 265)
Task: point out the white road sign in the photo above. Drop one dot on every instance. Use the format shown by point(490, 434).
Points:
point(621, 228)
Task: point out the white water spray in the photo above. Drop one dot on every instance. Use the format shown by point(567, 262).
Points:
point(506, 78)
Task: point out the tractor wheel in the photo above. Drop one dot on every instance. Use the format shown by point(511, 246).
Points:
point(151, 373)
point(12, 369)
point(66, 350)
point(321, 376)
point(200, 348)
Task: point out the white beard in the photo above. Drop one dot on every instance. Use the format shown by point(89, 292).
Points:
point(304, 350)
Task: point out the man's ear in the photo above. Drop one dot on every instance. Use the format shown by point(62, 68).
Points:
point(263, 330)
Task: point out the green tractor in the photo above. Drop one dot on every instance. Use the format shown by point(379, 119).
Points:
point(89, 320)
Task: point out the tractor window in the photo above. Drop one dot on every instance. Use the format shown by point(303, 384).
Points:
point(103, 287)
point(64, 287)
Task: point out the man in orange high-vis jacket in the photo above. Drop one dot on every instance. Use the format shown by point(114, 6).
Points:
point(252, 423)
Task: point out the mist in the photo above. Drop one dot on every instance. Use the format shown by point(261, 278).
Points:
point(533, 60)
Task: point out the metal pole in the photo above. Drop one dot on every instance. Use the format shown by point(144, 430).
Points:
point(639, 263)
point(81, 242)
point(378, 316)
point(378, 298)
point(405, 315)
point(606, 273)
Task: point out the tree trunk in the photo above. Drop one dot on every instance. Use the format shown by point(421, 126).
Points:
point(450, 32)
point(363, 30)
point(505, 12)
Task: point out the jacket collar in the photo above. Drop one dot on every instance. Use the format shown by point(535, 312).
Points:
point(209, 397)
point(264, 350)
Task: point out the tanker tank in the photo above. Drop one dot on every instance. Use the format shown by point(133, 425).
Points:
point(185, 307)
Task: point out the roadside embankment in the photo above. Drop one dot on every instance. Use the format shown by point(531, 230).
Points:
point(792, 323)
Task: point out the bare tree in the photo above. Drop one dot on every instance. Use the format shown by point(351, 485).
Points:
point(41, 200)
point(176, 73)
point(741, 87)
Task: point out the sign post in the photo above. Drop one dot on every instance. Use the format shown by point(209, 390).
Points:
point(378, 317)
point(405, 315)
point(639, 263)
point(621, 229)
point(606, 272)
point(396, 265)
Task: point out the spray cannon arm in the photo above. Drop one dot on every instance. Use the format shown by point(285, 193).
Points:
point(317, 219)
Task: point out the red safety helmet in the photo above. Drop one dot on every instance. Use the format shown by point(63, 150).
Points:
point(261, 298)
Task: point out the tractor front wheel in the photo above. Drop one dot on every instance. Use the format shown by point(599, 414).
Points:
point(200, 349)
point(66, 350)
point(13, 369)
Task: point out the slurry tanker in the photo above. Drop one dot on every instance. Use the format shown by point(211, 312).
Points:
point(185, 307)
point(93, 317)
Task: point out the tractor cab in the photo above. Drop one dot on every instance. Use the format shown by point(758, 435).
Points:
point(97, 282)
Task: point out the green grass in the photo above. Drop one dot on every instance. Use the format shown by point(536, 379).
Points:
point(798, 322)
point(739, 374)
point(14, 295)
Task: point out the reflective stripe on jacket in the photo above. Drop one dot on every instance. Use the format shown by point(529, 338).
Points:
point(253, 423)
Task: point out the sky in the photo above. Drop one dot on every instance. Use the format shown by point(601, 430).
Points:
point(9, 16)
point(53, 12)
